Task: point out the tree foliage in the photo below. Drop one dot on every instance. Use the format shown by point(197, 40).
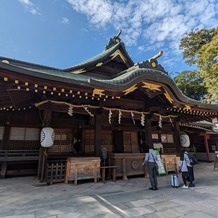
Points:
point(191, 84)
point(200, 47)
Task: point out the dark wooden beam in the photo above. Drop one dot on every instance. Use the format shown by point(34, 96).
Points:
point(97, 139)
point(176, 136)
point(148, 133)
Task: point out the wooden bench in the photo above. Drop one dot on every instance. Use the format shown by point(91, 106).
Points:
point(16, 156)
point(113, 168)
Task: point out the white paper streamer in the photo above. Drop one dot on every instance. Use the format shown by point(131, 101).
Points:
point(70, 110)
point(132, 117)
point(119, 118)
point(143, 119)
point(109, 116)
point(160, 122)
point(86, 109)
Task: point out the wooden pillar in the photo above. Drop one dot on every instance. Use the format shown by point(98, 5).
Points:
point(148, 133)
point(42, 164)
point(176, 137)
point(143, 141)
point(97, 139)
point(207, 147)
point(216, 142)
point(124, 169)
point(46, 118)
point(5, 140)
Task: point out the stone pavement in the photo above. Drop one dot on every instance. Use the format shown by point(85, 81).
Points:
point(25, 197)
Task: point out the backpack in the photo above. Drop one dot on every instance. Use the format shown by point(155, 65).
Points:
point(193, 159)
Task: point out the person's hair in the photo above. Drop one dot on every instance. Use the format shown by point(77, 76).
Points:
point(182, 154)
point(146, 149)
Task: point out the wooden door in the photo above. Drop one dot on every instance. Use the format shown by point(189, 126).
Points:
point(118, 141)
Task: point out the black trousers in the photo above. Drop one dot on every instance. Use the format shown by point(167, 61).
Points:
point(191, 174)
point(152, 175)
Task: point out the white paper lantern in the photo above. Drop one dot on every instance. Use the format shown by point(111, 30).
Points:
point(184, 140)
point(215, 127)
point(47, 137)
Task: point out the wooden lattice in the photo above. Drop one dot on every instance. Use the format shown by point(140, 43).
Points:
point(55, 172)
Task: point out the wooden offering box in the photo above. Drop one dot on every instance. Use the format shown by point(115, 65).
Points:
point(80, 168)
point(128, 164)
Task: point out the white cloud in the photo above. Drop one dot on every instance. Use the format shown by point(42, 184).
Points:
point(29, 6)
point(65, 20)
point(99, 12)
point(26, 2)
point(157, 22)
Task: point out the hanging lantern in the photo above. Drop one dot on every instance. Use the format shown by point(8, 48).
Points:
point(47, 137)
point(184, 140)
point(215, 124)
point(215, 127)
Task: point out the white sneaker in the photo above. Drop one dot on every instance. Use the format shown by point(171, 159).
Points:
point(184, 186)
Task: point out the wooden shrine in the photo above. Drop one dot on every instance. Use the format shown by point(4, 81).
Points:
point(106, 102)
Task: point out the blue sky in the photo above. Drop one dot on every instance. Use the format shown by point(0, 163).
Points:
point(63, 33)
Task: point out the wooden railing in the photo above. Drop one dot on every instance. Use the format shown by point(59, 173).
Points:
point(12, 157)
point(18, 155)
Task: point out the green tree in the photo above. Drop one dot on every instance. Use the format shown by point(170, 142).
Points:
point(200, 47)
point(191, 84)
point(208, 64)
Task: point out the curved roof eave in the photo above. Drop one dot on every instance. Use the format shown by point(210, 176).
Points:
point(24, 64)
point(49, 74)
point(120, 83)
point(100, 57)
point(128, 79)
point(197, 127)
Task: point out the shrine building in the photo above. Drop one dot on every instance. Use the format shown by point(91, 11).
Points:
point(106, 103)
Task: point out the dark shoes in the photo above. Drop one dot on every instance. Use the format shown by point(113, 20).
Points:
point(153, 189)
point(191, 185)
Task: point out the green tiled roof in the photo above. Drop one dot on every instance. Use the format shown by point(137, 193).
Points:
point(98, 58)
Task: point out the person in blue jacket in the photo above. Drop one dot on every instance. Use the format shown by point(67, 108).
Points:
point(190, 168)
point(184, 170)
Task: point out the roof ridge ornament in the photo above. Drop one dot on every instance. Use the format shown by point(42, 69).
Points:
point(159, 54)
point(118, 34)
point(152, 63)
point(113, 41)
